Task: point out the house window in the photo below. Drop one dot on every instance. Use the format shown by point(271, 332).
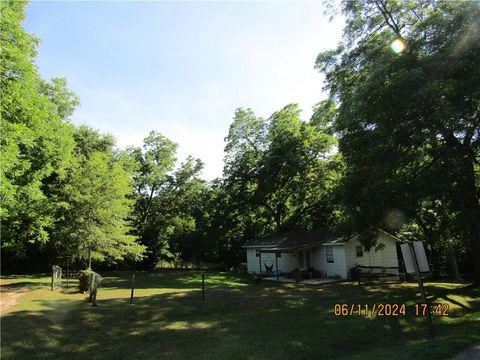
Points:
point(329, 253)
point(359, 250)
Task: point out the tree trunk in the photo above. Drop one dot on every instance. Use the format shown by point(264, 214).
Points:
point(147, 207)
point(452, 263)
point(278, 221)
point(435, 261)
point(473, 208)
point(475, 240)
point(89, 259)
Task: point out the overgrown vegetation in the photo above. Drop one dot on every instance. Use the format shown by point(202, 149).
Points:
point(396, 146)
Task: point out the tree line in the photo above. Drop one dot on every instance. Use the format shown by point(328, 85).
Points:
point(395, 146)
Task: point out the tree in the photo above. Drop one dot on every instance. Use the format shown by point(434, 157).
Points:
point(295, 168)
point(226, 226)
point(153, 165)
point(277, 170)
point(181, 204)
point(168, 202)
point(93, 223)
point(408, 120)
point(36, 139)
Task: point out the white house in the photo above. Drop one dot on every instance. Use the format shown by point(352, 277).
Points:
point(317, 250)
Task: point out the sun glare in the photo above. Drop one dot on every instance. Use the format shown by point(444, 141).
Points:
point(397, 46)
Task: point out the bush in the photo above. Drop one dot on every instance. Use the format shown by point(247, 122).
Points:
point(84, 280)
point(354, 274)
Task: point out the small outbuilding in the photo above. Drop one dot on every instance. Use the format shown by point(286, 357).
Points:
point(317, 252)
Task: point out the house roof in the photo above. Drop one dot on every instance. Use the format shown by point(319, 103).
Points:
point(290, 241)
point(339, 241)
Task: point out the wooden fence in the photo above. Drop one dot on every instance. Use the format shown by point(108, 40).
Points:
point(367, 274)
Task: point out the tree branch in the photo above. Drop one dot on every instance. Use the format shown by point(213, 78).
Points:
point(389, 20)
point(147, 207)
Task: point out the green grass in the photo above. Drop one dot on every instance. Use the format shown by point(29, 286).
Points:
point(238, 320)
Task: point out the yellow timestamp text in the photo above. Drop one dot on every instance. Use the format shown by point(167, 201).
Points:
point(388, 309)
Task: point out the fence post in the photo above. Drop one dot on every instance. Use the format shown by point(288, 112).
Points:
point(53, 277)
point(68, 270)
point(90, 287)
point(95, 286)
point(133, 288)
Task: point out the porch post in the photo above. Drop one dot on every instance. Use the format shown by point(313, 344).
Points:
point(260, 261)
point(298, 267)
point(276, 263)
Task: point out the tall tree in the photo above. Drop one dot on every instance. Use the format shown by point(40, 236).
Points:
point(93, 222)
point(295, 167)
point(36, 138)
point(168, 202)
point(278, 169)
point(181, 204)
point(407, 83)
point(153, 164)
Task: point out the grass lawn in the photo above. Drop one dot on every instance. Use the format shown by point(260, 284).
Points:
point(238, 320)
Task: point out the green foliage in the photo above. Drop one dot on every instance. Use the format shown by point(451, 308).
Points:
point(278, 169)
point(168, 202)
point(152, 165)
point(94, 218)
point(62, 189)
point(408, 122)
point(84, 278)
point(396, 146)
point(279, 174)
point(88, 141)
point(36, 139)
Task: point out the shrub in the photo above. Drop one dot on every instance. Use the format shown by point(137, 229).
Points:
point(354, 273)
point(84, 280)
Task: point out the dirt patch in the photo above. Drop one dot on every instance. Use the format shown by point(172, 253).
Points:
point(9, 296)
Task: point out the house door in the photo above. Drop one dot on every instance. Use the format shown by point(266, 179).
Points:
point(304, 259)
point(308, 260)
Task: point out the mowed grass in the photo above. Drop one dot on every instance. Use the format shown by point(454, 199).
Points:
point(238, 320)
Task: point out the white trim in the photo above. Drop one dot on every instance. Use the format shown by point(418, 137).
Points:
point(257, 246)
point(392, 237)
point(326, 255)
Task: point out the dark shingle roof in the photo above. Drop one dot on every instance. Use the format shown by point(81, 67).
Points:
point(291, 240)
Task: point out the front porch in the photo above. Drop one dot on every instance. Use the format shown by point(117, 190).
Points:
point(314, 281)
point(296, 264)
point(294, 255)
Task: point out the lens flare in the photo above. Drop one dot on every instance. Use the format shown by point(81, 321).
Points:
point(394, 219)
point(397, 46)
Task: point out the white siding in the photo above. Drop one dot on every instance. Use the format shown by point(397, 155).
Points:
point(384, 257)
point(286, 263)
point(337, 268)
point(344, 258)
point(252, 261)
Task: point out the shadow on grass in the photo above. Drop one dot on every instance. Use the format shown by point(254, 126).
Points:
point(174, 280)
point(19, 281)
point(279, 321)
point(32, 276)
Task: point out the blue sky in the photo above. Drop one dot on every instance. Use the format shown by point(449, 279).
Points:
point(182, 68)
